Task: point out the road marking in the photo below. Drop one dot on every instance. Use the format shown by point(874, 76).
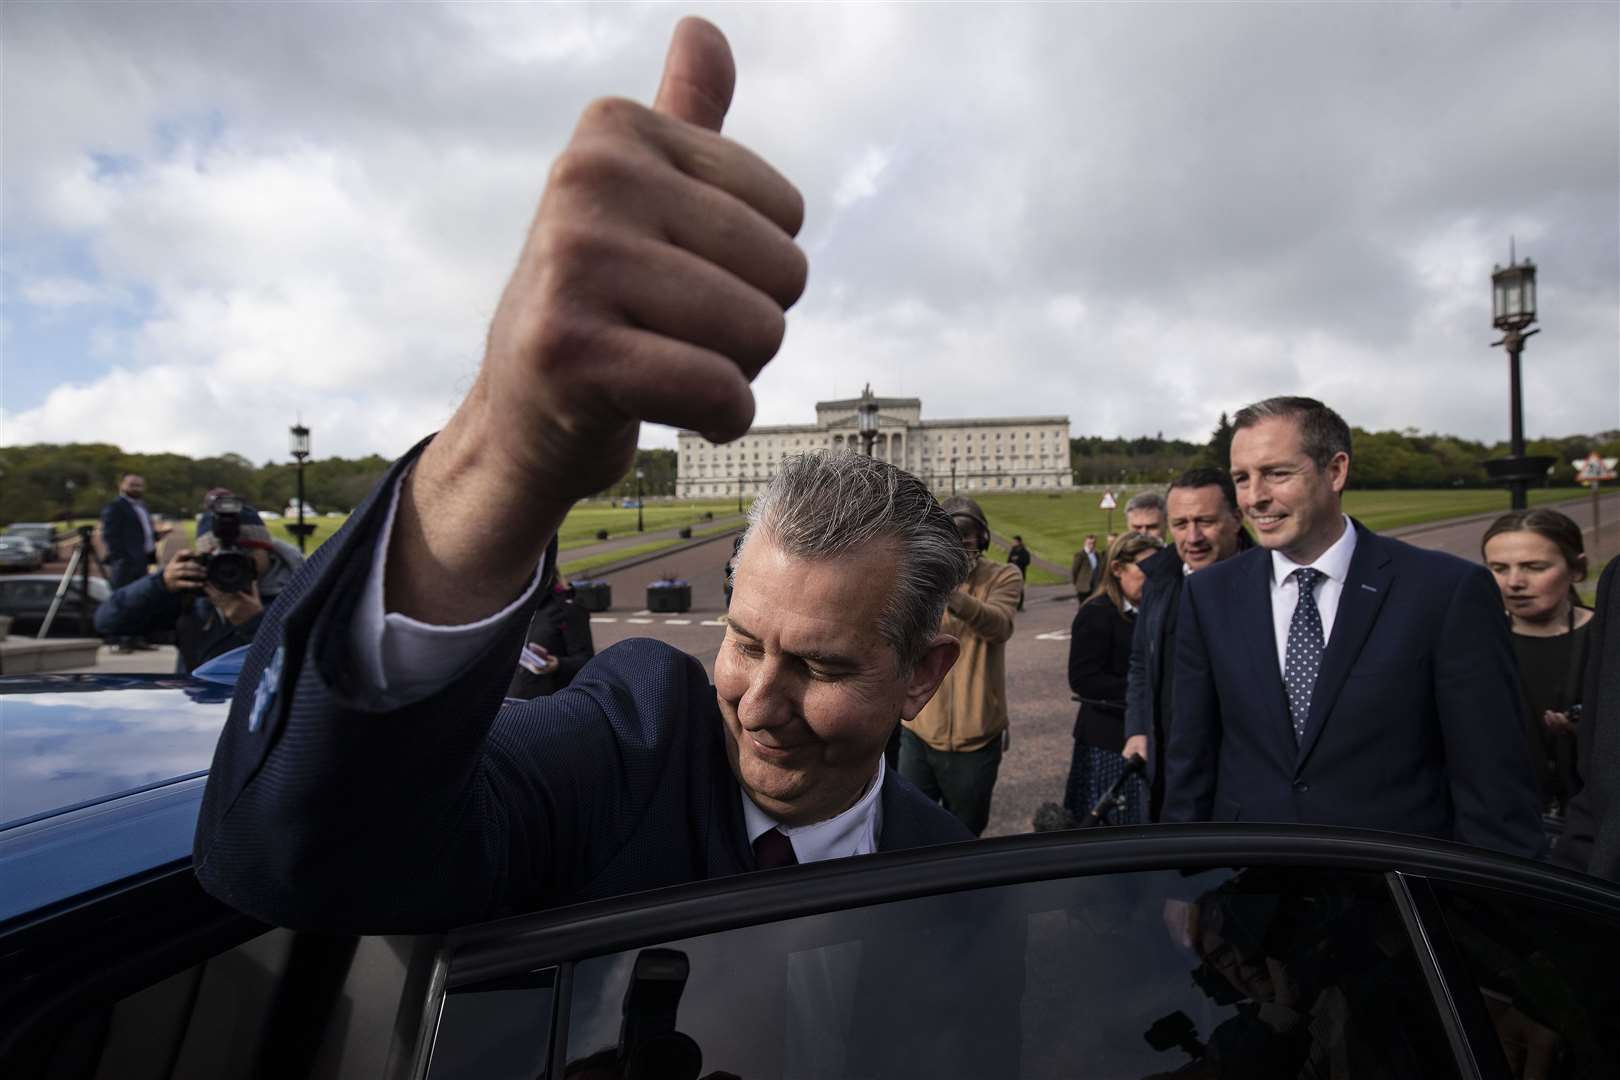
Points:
point(604, 618)
point(1054, 635)
point(644, 612)
point(713, 622)
point(639, 622)
point(677, 622)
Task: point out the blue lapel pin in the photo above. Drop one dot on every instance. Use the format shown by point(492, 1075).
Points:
point(265, 694)
point(1369, 588)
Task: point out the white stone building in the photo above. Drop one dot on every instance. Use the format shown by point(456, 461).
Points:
point(1001, 453)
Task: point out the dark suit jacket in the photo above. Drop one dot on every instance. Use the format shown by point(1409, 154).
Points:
point(1591, 840)
point(125, 541)
point(1099, 657)
point(326, 812)
point(1414, 723)
point(563, 629)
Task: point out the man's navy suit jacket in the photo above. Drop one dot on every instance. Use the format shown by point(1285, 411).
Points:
point(125, 541)
point(325, 812)
point(1414, 724)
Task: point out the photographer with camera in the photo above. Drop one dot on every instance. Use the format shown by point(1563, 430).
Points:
point(211, 596)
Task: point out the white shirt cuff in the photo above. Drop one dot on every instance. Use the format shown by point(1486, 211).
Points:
point(402, 660)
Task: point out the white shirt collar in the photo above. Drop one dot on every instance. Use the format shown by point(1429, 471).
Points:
point(1334, 562)
point(854, 832)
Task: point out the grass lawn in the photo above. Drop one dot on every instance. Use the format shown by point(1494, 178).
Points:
point(570, 569)
point(324, 528)
point(579, 528)
point(1054, 526)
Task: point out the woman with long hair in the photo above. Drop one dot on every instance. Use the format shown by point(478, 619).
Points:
point(1537, 556)
point(1099, 659)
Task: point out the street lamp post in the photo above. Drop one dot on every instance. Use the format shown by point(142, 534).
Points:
point(739, 488)
point(639, 474)
point(866, 420)
point(1513, 309)
point(953, 476)
point(299, 444)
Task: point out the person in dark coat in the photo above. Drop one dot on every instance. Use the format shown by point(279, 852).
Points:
point(130, 540)
point(1591, 839)
point(558, 645)
point(1099, 661)
point(1337, 677)
point(206, 621)
point(1207, 527)
point(1537, 556)
point(1019, 556)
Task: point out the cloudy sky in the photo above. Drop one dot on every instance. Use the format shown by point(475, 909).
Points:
point(219, 218)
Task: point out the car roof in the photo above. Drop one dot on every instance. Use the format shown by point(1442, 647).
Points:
point(100, 778)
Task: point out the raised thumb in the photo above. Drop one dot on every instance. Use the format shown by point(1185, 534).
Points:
point(699, 75)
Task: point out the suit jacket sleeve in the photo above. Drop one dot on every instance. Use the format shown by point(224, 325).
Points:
point(116, 520)
point(141, 607)
point(1477, 695)
point(1138, 691)
point(327, 811)
point(1193, 739)
point(1597, 738)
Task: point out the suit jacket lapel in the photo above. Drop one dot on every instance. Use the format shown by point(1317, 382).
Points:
point(1364, 590)
point(1252, 604)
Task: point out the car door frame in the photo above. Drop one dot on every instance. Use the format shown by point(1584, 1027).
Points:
point(560, 939)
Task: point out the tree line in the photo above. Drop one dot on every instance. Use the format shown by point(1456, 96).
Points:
point(57, 482)
point(1380, 459)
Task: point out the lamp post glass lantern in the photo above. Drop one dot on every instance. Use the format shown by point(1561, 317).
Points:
point(1513, 309)
point(866, 420)
point(298, 443)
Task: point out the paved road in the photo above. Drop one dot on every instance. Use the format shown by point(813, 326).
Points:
point(1461, 537)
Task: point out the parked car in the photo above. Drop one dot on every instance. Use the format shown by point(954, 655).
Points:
point(27, 597)
point(42, 534)
point(19, 553)
point(1201, 951)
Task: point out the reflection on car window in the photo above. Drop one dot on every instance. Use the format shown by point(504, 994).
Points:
point(1257, 973)
point(497, 1030)
point(1549, 976)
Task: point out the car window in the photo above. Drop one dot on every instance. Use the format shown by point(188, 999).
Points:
point(496, 1030)
point(1549, 977)
point(1255, 973)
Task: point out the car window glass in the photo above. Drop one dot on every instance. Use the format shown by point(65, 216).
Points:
point(1256, 973)
point(498, 1030)
point(1549, 977)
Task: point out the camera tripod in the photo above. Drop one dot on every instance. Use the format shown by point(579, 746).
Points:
point(83, 556)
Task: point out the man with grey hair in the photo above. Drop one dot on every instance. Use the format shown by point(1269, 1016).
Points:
point(1147, 513)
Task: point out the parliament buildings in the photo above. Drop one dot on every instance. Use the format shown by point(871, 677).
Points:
point(1002, 453)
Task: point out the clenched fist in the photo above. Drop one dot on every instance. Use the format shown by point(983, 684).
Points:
point(652, 286)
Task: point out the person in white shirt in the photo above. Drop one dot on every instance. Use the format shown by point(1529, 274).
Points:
point(1337, 677)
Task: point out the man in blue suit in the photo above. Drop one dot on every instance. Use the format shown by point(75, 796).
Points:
point(370, 776)
point(1337, 677)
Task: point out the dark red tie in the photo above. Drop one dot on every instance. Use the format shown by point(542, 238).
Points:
point(772, 849)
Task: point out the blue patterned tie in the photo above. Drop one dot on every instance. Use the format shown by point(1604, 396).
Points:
point(1304, 655)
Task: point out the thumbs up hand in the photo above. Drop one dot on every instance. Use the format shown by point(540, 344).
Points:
point(653, 284)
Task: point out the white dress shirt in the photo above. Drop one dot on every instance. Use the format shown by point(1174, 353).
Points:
point(403, 660)
point(1334, 563)
point(854, 832)
point(148, 537)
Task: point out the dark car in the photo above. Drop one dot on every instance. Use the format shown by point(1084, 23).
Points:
point(27, 598)
point(1199, 951)
point(41, 534)
point(19, 553)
